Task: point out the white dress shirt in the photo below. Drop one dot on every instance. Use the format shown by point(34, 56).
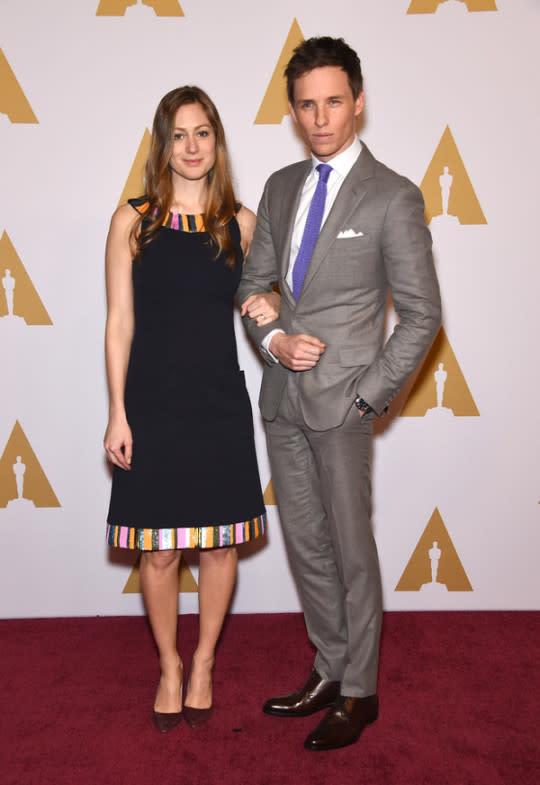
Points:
point(341, 166)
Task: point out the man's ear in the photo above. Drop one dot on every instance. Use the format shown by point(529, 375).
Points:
point(359, 104)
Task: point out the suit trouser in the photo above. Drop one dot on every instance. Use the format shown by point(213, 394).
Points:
point(323, 490)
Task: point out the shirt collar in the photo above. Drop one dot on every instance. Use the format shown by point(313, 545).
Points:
point(344, 162)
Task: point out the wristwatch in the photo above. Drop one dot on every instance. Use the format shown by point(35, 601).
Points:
point(362, 405)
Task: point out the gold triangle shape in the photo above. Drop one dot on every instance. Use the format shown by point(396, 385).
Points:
point(186, 582)
point(119, 7)
point(114, 7)
point(26, 302)
point(269, 496)
point(135, 182)
point(423, 6)
point(434, 557)
point(274, 105)
point(165, 7)
point(462, 203)
point(440, 391)
point(430, 6)
point(13, 101)
point(481, 5)
point(33, 484)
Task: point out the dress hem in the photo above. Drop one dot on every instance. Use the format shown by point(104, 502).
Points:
point(134, 538)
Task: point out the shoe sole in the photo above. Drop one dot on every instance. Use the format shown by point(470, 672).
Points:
point(285, 713)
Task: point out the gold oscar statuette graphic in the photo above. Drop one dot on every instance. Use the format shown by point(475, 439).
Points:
point(19, 301)
point(186, 582)
point(434, 567)
point(22, 480)
point(135, 183)
point(119, 7)
point(13, 101)
point(430, 6)
point(274, 105)
point(440, 389)
point(448, 192)
point(269, 496)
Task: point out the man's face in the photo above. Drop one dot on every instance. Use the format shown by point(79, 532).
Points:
point(325, 111)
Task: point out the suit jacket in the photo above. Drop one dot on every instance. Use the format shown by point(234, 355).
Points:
point(344, 296)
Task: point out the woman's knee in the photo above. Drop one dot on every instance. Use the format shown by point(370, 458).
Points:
point(161, 560)
point(217, 556)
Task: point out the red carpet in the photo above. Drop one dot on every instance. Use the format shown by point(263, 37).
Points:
point(459, 705)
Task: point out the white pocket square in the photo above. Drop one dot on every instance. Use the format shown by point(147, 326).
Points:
point(349, 233)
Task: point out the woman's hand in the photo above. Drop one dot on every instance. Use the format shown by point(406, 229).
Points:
point(118, 442)
point(262, 308)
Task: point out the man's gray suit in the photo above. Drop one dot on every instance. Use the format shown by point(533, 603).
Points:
point(374, 239)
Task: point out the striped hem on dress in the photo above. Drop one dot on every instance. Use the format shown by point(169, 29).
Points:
point(191, 537)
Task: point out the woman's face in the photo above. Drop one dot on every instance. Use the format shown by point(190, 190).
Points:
point(194, 143)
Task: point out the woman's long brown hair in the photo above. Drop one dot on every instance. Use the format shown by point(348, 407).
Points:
point(220, 204)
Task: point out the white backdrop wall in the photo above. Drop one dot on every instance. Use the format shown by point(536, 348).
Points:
point(78, 90)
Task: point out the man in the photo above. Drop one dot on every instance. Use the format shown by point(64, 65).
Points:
point(336, 238)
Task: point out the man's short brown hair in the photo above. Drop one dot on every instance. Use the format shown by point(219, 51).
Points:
point(318, 52)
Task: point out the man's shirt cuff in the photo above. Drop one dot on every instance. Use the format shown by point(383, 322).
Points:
point(265, 343)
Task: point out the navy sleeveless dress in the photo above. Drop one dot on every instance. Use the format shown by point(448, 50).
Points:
point(194, 480)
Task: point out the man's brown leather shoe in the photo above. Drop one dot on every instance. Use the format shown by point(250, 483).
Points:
point(343, 723)
point(316, 694)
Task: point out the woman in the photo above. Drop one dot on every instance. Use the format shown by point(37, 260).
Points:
point(180, 433)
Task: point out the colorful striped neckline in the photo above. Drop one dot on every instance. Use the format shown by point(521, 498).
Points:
point(178, 221)
point(185, 223)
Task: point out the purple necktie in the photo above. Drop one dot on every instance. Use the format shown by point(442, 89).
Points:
point(311, 230)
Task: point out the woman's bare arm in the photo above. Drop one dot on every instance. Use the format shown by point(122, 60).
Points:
point(118, 440)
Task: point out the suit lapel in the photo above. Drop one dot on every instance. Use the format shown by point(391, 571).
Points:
point(351, 193)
